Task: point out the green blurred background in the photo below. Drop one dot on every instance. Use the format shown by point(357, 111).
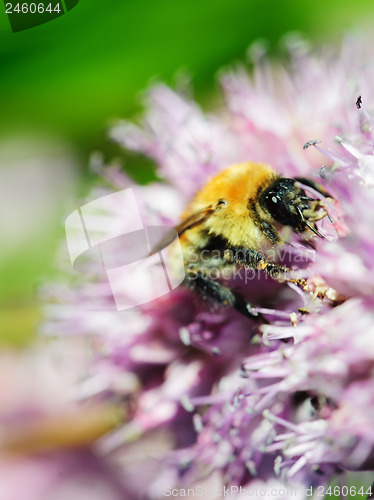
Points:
point(63, 83)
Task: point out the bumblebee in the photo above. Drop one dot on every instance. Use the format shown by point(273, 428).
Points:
point(236, 218)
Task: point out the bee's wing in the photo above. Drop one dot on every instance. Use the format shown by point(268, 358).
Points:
point(191, 221)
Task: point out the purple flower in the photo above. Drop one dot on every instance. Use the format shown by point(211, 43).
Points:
point(289, 402)
point(181, 139)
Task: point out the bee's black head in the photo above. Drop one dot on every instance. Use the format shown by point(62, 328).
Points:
point(285, 201)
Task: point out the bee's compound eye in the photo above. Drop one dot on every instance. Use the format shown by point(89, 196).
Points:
point(278, 198)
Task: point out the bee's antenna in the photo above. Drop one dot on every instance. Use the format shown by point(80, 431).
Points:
point(315, 231)
point(330, 218)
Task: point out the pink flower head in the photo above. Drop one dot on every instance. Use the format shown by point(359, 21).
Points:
point(226, 397)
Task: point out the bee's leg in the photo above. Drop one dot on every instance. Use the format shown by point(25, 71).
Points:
point(256, 260)
point(277, 272)
point(252, 259)
point(211, 289)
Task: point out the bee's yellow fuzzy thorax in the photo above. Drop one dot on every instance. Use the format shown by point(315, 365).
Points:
point(238, 186)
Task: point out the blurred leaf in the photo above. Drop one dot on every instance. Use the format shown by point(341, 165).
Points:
point(72, 75)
